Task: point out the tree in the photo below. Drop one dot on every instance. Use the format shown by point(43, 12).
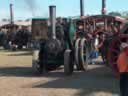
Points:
point(114, 14)
point(4, 20)
point(19, 20)
point(27, 20)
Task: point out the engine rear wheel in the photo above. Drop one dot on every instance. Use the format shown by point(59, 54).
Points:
point(83, 54)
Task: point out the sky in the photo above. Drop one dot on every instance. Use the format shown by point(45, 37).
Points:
point(24, 9)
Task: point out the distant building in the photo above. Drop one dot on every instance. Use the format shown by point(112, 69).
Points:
point(21, 24)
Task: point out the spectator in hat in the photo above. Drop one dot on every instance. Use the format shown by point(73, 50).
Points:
point(122, 64)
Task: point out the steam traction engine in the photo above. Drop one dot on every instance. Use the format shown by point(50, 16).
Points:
point(100, 32)
point(49, 43)
point(110, 32)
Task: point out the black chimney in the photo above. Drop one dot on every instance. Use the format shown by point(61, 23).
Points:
point(11, 14)
point(103, 7)
point(81, 7)
point(52, 11)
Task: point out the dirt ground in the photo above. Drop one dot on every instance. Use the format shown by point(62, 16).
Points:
point(18, 79)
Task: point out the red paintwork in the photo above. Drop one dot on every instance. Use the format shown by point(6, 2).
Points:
point(114, 50)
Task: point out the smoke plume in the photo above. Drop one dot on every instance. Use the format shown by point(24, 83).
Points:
point(32, 5)
point(35, 8)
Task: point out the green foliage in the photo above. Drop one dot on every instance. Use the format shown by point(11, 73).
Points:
point(115, 14)
point(123, 14)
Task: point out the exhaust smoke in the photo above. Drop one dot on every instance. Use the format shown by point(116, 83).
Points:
point(32, 5)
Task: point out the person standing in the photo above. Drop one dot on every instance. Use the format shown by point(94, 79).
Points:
point(122, 64)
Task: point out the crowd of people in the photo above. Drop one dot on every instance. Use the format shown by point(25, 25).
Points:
point(14, 40)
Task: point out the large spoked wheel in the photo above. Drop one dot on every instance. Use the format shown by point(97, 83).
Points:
point(114, 50)
point(68, 62)
point(77, 47)
point(83, 54)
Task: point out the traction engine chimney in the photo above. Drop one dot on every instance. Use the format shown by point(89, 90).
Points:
point(52, 10)
point(81, 7)
point(103, 7)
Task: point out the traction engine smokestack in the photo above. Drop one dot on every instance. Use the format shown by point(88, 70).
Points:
point(52, 10)
point(81, 7)
point(11, 14)
point(103, 7)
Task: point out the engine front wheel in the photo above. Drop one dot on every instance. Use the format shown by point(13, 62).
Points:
point(77, 46)
point(68, 62)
